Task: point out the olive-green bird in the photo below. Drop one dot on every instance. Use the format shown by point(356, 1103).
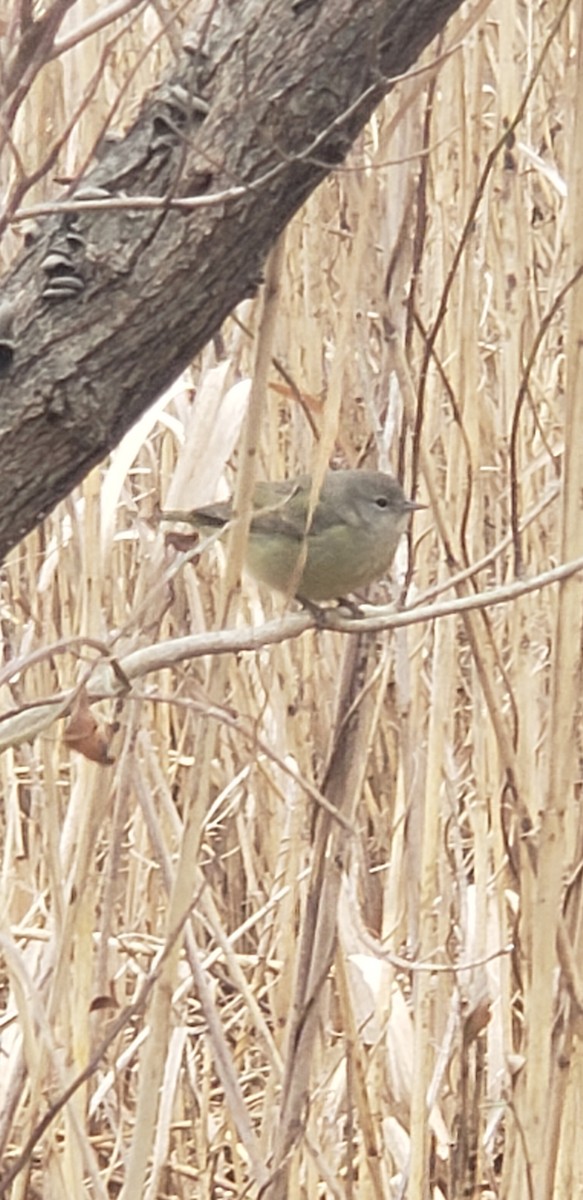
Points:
point(351, 540)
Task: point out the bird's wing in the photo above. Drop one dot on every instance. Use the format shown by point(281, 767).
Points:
point(281, 508)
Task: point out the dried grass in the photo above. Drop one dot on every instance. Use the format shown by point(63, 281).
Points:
point(444, 1052)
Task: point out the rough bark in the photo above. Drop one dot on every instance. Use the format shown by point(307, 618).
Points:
point(106, 305)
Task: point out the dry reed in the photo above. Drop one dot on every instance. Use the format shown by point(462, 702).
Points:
point(165, 1012)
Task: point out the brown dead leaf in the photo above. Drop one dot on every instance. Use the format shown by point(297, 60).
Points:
point(88, 736)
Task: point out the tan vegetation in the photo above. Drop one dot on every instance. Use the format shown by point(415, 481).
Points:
point(158, 905)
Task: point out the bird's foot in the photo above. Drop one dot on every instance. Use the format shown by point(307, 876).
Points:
point(321, 614)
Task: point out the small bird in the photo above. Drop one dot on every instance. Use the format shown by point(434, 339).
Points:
point(350, 541)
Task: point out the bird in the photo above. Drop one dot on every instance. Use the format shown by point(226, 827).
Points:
point(348, 542)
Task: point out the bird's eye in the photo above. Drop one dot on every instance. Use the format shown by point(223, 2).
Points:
point(382, 502)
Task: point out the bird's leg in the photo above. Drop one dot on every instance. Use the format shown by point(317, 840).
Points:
point(315, 610)
point(352, 607)
point(320, 614)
